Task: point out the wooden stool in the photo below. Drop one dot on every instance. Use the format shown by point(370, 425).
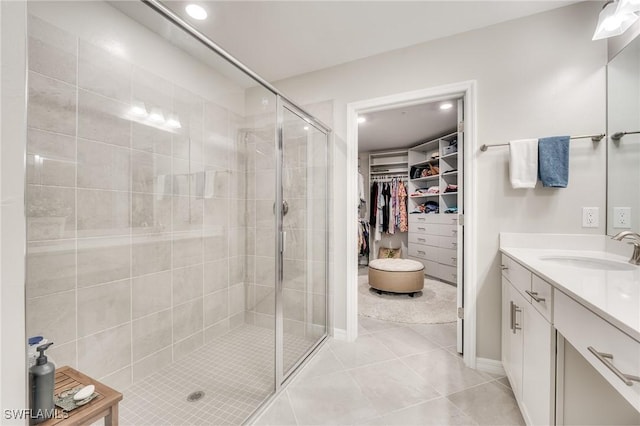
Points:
point(104, 405)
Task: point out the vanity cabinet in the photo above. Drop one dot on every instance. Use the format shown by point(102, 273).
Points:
point(615, 355)
point(528, 341)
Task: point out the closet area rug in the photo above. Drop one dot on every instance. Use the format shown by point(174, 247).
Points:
point(436, 303)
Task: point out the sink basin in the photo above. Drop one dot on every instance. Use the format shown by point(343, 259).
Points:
point(589, 263)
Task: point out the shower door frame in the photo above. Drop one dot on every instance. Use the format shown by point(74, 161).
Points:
point(281, 102)
point(282, 376)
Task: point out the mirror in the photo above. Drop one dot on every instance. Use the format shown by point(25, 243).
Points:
point(623, 129)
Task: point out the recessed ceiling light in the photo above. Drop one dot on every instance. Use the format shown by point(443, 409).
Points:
point(306, 127)
point(196, 12)
point(446, 105)
point(361, 119)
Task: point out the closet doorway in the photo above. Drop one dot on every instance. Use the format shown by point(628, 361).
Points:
point(411, 193)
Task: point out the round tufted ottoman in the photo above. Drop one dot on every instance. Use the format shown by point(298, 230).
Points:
point(396, 275)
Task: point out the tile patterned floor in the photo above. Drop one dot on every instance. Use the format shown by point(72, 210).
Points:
point(236, 372)
point(394, 374)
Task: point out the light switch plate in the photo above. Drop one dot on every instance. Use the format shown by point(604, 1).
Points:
point(622, 217)
point(590, 217)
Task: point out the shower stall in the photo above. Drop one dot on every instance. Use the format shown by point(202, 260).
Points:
point(177, 214)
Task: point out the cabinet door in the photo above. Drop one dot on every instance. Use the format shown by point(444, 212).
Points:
point(513, 307)
point(538, 368)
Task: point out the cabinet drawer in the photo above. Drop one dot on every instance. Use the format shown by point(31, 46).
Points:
point(424, 228)
point(419, 218)
point(447, 256)
point(448, 273)
point(422, 251)
point(449, 242)
point(448, 230)
point(517, 275)
point(542, 297)
point(424, 239)
point(587, 332)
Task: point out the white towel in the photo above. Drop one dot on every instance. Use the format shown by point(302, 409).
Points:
point(523, 163)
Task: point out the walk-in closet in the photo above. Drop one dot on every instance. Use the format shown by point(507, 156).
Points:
point(410, 190)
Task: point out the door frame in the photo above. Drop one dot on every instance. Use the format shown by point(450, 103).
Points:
point(467, 90)
point(282, 374)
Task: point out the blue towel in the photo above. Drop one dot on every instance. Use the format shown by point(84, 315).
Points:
point(553, 161)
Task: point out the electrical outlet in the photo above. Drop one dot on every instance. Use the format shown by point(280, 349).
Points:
point(590, 217)
point(622, 217)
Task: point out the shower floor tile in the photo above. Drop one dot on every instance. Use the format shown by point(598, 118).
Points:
point(235, 372)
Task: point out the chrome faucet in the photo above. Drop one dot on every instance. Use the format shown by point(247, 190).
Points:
point(635, 257)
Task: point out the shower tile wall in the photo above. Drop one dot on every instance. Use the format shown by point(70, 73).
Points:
point(136, 230)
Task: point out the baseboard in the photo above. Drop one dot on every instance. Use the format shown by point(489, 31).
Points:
point(340, 334)
point(490, 366)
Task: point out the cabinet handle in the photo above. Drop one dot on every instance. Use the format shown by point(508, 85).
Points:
point(421, 252)
point(422, 229)
point(534, 296)
point(504, 268)
point(421, 219)
point(514, 325)
point(422, 239)
point(604, 358)
point(454, 244)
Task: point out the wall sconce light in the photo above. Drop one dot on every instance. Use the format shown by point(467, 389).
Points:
point(615, 18)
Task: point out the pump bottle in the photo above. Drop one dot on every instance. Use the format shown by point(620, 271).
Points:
point(41, 382)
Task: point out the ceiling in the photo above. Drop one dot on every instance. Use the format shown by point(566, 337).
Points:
point(405, 127)
point(280, 39)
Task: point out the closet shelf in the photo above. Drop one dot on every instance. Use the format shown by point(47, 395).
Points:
point(424, 196)
point(454, 173)
point(452, 155)
point(391, 163)
point(424, 163)
point(426, 179)
point(450, 193)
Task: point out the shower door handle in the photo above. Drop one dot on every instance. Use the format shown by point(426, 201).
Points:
point(285, 208)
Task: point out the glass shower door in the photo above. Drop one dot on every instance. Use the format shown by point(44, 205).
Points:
point(303, 156)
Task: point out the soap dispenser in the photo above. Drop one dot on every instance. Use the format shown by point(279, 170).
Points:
point(41, 382)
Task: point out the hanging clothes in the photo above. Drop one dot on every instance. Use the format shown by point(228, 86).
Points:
point(388, 213)
point(403, 218)
point(380, 212)
point(363, 238)
point(386, 194)
point(373, 200)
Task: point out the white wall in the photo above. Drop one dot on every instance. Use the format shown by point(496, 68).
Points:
point(12, 225)
point(537, 76)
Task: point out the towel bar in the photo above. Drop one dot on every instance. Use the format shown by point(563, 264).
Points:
point(594, 138)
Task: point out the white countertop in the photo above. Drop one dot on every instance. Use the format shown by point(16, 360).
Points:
point(612, 295)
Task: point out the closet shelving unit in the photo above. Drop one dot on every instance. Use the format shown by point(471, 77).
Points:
point(384, 166)
point(433, 238)
point(388, 164)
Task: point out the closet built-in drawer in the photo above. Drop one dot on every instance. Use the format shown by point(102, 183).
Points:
point(448, 273)
point(424, 239)
point(447, 256)
point(541, 297)
point(449, 242)
point(424, 228)
point(517, 275)
point(448, 230)
point(429, 265)
point(423, 252)
point(420, 218)
point(614, 354)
